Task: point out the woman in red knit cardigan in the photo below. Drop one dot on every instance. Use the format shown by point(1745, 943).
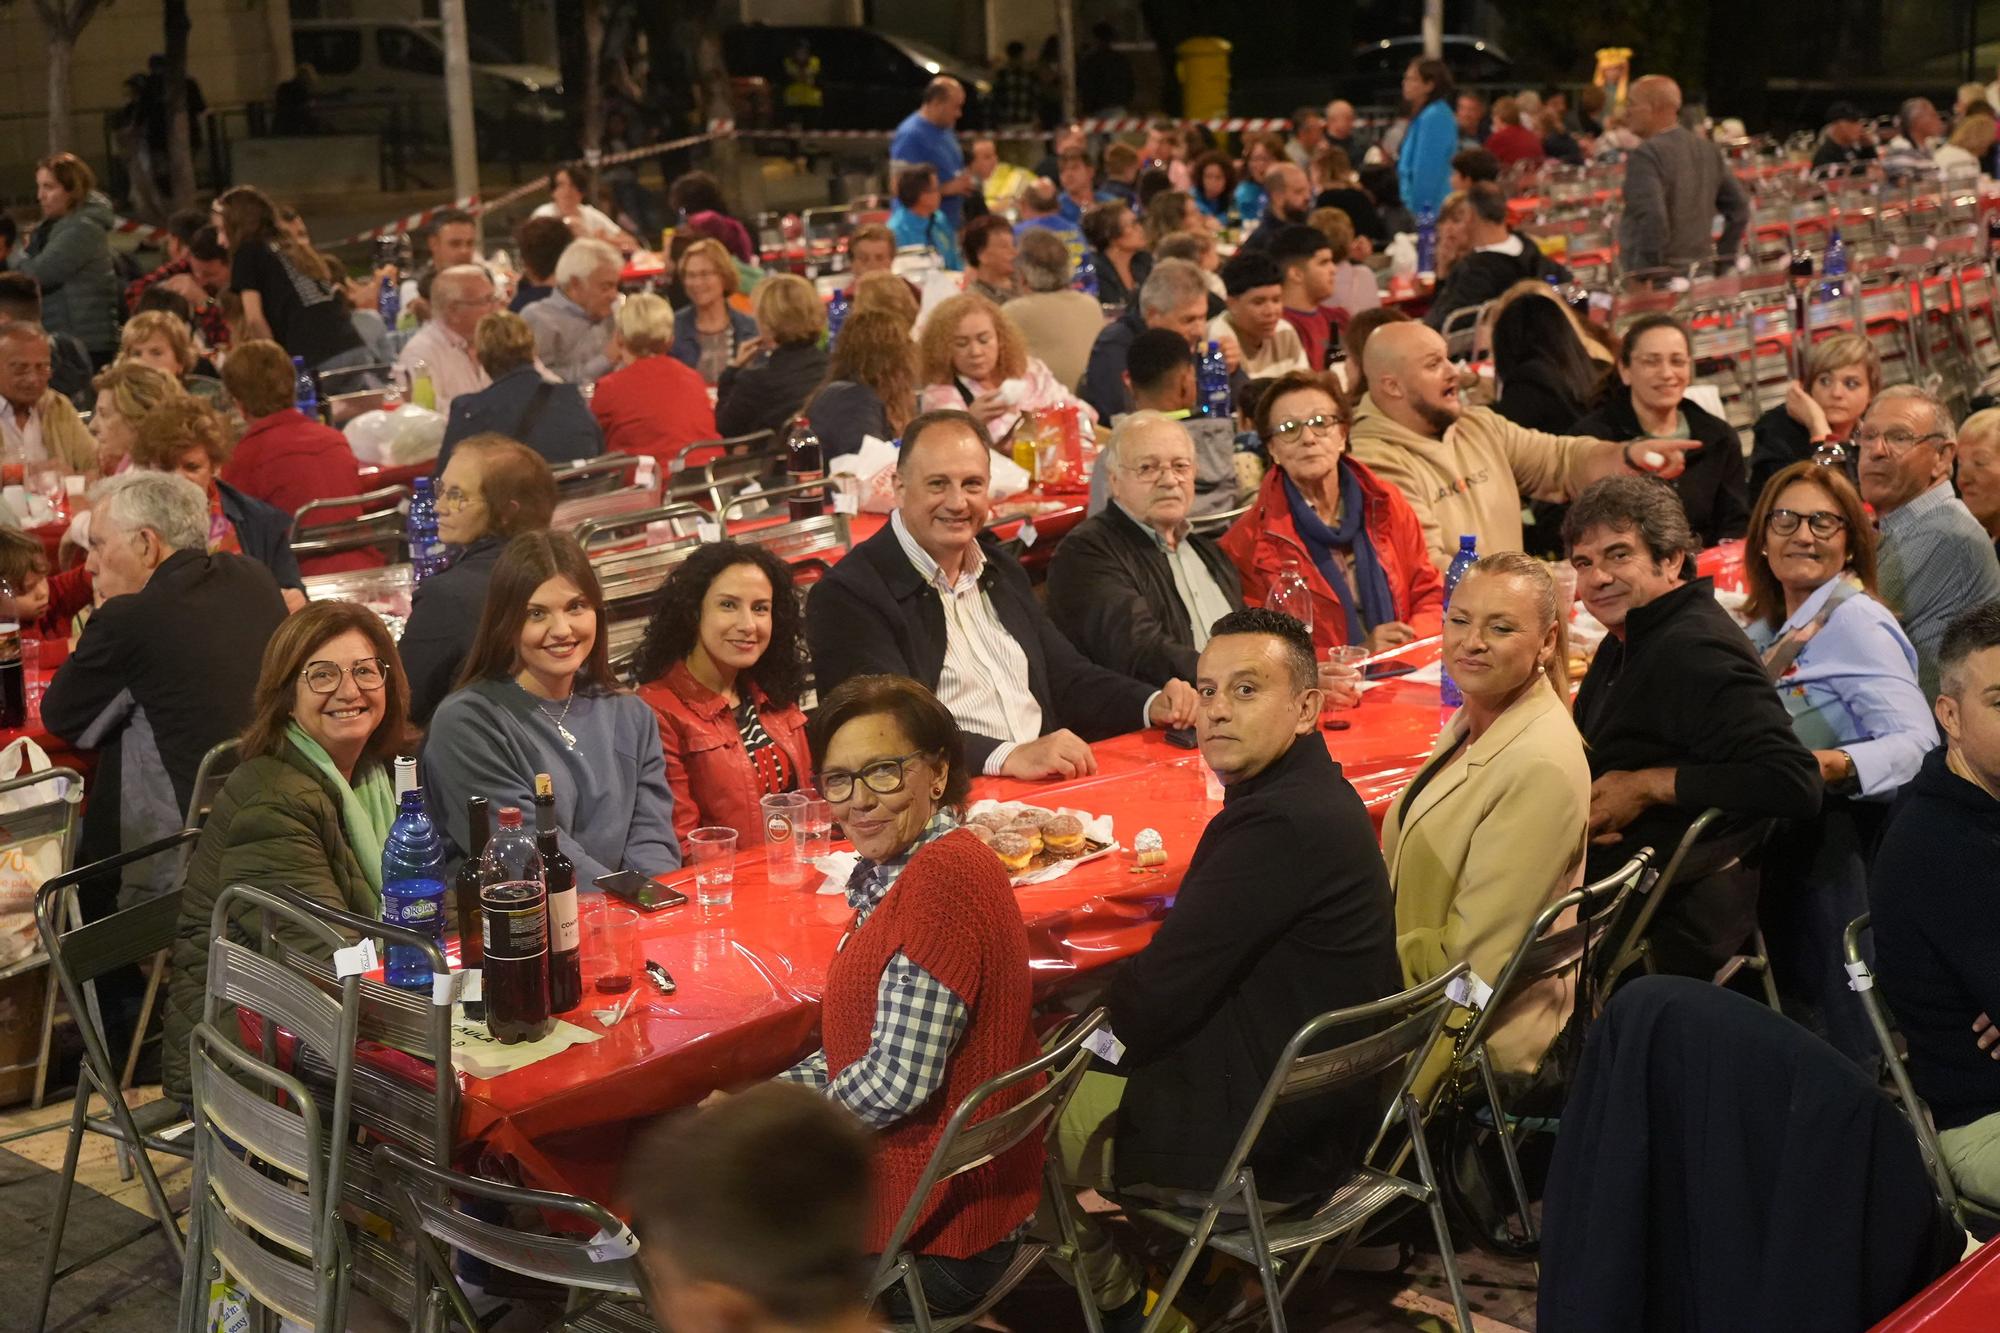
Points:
point(928, 996)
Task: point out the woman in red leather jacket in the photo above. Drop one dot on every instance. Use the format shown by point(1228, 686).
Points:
point(723, 664)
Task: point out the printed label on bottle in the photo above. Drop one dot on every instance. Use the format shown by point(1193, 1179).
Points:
point(515, 923)
point(563, 933)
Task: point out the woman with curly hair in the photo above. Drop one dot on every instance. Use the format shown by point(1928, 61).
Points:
point(871, 383)
point(723, 665)
point(969, 354)
point(1214, 184)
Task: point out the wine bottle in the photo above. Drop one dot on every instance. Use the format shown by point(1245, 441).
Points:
point(465, 888)
point(559, 878)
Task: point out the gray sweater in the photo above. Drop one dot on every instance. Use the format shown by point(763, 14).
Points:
point(1675, 184)
point(612, 800)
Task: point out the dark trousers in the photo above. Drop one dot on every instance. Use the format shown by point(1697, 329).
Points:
point(1815, 882)
point(953, 1286)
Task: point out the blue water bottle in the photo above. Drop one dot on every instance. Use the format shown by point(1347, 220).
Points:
point(1211, 376)
point(1834, 267)
point(1467, 553)
point(836, 315)
point(412, 881)
point(305, 392)
point(420, 531)
point(1085, 279)
point(1427, 242)
point(389, 303)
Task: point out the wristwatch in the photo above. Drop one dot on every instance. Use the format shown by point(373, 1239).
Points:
point(1850, 777)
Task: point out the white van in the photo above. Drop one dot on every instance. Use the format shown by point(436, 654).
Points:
point(379, 74)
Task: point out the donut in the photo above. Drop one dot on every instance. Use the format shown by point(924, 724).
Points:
point(1063, 836)
point(1035, 815)
point(1029, 833)
point(981, 832)
point(991, 820)
point(1013, 851)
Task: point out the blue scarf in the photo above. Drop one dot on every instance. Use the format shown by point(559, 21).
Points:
point(1378, 606)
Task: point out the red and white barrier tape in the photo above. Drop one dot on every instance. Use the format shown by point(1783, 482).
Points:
point(147, 233)
point(1225, 124)
point(413, 222)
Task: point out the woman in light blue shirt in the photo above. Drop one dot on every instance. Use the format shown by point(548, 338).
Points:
point(1848, 676)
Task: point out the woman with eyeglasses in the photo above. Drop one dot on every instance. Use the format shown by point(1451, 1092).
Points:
point(1353, 538)
point(493, 490)
point(1847, 674)
point(929, 995)
point(723, 665)
point(1656, 363)
point(536, 695)
point(310, 803)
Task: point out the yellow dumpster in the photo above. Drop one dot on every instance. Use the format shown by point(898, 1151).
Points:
point(1203, 70)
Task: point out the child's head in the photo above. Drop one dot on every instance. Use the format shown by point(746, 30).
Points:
point(24, 564)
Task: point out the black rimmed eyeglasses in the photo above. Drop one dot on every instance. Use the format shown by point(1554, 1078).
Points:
point(884, 777)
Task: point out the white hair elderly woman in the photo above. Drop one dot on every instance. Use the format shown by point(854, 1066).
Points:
point(573, 325)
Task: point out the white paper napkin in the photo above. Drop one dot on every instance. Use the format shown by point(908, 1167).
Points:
point(838, 867)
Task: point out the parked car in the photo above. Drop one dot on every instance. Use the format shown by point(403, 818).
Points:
point(871, 79)
point(380, 75)
point(1373, 80)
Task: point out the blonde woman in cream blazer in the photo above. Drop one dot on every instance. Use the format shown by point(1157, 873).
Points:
point(1493, 828)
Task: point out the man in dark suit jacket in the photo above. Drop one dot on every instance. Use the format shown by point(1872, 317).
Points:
point(1132, 587)
point(1678, 715)
point(932, 597)
point(551, 419)
point(166, 667)
point(1284, 914)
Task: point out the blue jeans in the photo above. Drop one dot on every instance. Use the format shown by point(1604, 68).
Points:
point(952, 1286)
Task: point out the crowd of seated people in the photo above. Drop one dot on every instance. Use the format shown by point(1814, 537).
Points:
point(925, 659)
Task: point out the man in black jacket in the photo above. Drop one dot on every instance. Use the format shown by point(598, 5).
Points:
point(1937, 937)
point(932, 597)
point(166, 667)
point(1677, 713)
point(1284, 914)
point(1132, 587)
point(1492, 256)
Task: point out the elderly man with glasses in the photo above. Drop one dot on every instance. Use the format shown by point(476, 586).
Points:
point(1133, 587)
point(460, 297)
point(1936, 561)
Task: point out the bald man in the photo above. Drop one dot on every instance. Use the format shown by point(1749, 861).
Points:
point(461, 296)
point(1675, 184)
point(1466, 469)
point(1287, 203)
point(1133, 587)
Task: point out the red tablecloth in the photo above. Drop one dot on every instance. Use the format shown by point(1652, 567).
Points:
point(750, 974)
point(374, 476)
point(1965, 1300)
point(54, 651)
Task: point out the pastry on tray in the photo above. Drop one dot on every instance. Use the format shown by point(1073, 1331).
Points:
point(1031, 833)
point(1062, 837)
point(983, 832)
point(1014, 851)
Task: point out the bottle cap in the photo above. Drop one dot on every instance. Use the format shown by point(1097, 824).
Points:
point(406, 773)
point(510, 816)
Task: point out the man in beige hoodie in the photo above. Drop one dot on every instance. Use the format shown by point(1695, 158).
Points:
point(1465, 469)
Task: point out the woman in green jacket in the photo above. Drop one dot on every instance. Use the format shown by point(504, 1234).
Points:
point(69, 254)
point(310, 803)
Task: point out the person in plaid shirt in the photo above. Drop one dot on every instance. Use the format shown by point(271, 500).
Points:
point(1017, 91)
point(197, 268)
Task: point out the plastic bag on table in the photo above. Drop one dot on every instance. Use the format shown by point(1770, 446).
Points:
point(23, 868)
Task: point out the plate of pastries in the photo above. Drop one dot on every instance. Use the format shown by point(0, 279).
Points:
point(1028, 838)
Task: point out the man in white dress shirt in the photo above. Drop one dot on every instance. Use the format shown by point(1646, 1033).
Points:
point(460, 297)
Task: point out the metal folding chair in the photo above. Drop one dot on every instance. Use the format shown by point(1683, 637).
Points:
point(693, 455)
point(376, 524)
point(597, 1272)
point(1713, 843)
point(1983, 1219)
point(78, 955)
point(1461, 326)
point(259, 1130)
point(1548, 950)
point(1385, 1057)
point(969, 1141)
point(22, 829)
point(595, 476)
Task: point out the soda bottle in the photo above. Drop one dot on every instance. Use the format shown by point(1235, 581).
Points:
point(804, 461)
point(420, 531)
point(1291, 594)
point(1212, 384)
point(13, 678)
point(559, 881)
point(1467, 553)
point(305, 390)
point(465, 888)
point(514, 938)
point(412, 881)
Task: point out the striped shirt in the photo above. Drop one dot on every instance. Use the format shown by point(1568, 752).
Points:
point(1935, 561)
point(984, 683)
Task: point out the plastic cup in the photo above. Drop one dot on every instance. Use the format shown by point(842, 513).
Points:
point(1346, 659)
point(1564, 573)
point(815, 826)
point(784, 858)
point(713, 851)
point(611, 952)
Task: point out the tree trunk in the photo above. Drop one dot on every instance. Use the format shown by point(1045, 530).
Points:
point(180, 149)
point(61, 53)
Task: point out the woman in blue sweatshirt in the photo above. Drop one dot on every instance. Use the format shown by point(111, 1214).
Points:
point(1423, 163)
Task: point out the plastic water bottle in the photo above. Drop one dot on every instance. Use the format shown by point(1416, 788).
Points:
point(1834, 266)
point(1211, 375)
point(420, 531)
point(836, 314)
point(423, 391)
point(1427, 242)
point(389, 302)
point(412, 881)
point(1290, 594)
point(1085, 278)
point(305, 390)
point(1467, 553)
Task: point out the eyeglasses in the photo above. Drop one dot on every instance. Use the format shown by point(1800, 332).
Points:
point(455, 497)
point(324, 677)
point(1823, 522)
point(1285, 432)
point(1150, 470)
point(1897, 441)
point(884, 777)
